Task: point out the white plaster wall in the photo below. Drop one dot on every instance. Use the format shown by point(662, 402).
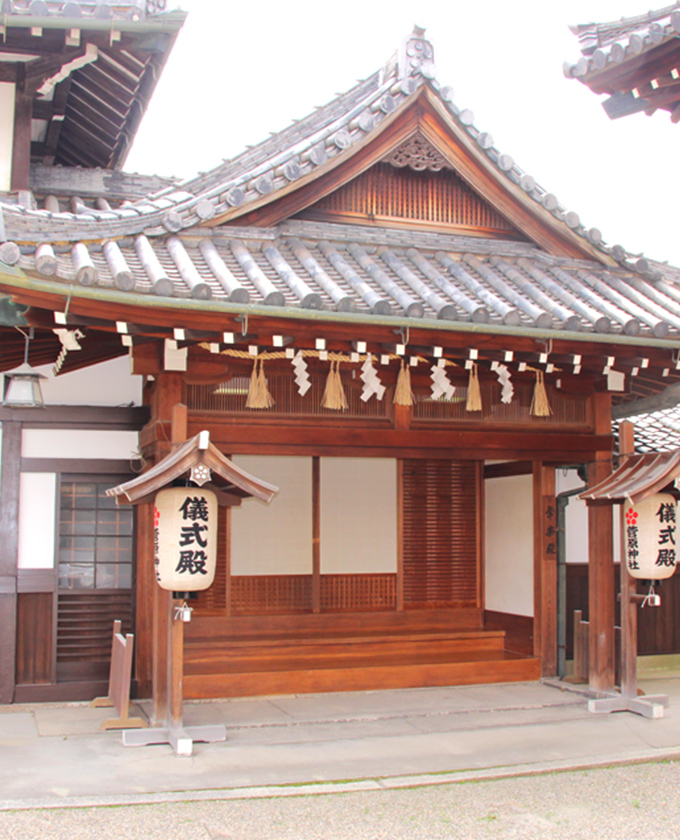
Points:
point(358, 515)
point(73, 443)
point(576, 522)
point(509, 567)
point(109, 383)
point(37, 512)
point(274, 539)
point(6, 133)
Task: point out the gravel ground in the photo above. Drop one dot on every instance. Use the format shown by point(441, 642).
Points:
point(637, 802)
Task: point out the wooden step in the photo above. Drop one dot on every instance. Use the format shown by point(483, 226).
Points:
point(495, 666)
point(275, 654)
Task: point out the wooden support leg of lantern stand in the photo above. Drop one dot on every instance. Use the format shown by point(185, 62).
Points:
point(170, 698)
point(650, 706)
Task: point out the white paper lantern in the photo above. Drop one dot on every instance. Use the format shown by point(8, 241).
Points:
point(185, 538)
point(650, 530)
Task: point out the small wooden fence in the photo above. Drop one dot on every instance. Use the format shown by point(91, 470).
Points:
point(119, 683)
point(582, 649)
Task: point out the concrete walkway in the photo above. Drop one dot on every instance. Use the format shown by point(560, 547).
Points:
point(53, 755)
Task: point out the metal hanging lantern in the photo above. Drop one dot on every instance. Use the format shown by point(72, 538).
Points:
point(650, 536)
point(185, 538)
point(22, 385)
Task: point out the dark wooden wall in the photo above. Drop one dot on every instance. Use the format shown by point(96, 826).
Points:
point(658, 627)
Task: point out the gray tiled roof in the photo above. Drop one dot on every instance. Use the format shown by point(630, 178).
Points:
point(608, 44)
point(299, 152)
point(331, 267)
point(658, 431)
point(77, 9)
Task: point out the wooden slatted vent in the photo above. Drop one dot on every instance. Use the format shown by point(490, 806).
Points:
point(567, 409)
point(231, 396)
point(388, 192)
point(440, 533)
point(84, 629)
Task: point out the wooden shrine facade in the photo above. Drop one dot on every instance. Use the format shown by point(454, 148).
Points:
point(379, 312)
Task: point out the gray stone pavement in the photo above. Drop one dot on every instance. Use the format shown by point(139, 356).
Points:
point(53, 755)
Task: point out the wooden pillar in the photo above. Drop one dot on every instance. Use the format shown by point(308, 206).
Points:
point(153, 604)
point(316, 534)
point(144, 601)
point(601, 595)
point(629, 607)
point(9, 549)
point(168, 635)
point(21, 141)
point(545, 568)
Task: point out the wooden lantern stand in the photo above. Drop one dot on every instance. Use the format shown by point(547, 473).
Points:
point(180, 737)
point(650, 705)
point(235, 485)
point(645, 477)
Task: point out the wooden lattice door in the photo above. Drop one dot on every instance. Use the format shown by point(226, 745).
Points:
point(441, 533)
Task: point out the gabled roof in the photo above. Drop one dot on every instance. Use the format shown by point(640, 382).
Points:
point(318, 149)
point(638, 477)
point(635, 60)
point(228, 243)
point(196, 452)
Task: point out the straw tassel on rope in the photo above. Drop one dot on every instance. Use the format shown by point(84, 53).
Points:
point(540, 406)
point(403, 395)
point(258, 392)
point(474, 393)
point(334, 394)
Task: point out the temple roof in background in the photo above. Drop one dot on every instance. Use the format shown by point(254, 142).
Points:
point(635, 60)
point(91, 68)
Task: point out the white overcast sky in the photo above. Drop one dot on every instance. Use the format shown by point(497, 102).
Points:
point(241, 70)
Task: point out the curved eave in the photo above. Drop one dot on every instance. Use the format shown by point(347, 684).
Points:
point(185, 312)
point(166, 22)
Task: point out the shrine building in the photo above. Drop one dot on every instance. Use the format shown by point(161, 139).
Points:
point(375, 310)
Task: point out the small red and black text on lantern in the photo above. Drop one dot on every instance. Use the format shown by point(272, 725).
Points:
point(650, 537)
point(185, 538)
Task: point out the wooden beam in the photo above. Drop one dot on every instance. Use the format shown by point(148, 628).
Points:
point(507, 469)
point(9, 548)
point(545, 568)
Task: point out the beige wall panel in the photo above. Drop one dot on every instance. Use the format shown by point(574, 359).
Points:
point(6, 133)
point(358, 515)
point(509, 570)
point(274, 539)
point(37, 512)
point(109, 383)
point(72, 443)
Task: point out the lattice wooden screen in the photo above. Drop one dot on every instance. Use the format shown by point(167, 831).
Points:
point(443, 197)
point(358, 592)
point(85, 628)
point(270, 594)
point(441, 512)
point(232, 395)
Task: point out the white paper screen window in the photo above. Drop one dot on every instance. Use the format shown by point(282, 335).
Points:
point(37, 511)
point(358, 515)
point(274, 539)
